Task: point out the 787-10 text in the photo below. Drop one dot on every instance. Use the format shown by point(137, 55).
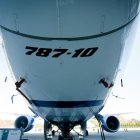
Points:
point(55, 53)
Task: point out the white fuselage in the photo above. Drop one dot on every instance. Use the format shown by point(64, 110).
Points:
point(63, 48)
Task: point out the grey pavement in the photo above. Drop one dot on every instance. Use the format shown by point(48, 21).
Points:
point(121, 135)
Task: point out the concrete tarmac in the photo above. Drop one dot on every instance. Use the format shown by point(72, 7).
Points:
point(120, 135)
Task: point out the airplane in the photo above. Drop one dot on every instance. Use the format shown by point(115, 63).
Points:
point(65, 56)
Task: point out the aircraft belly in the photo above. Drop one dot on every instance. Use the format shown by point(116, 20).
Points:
point(64, 78)
point(65, 53)
point(61, 87)
point(67, 114)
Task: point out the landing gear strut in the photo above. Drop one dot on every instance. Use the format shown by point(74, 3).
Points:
point(47, 130)
point(65, 129)
point(102, 131)
point(84, 129)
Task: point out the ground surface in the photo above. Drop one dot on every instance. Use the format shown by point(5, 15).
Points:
point(121, 135)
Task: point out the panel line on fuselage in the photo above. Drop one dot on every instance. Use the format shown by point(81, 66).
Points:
point(69, 38)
